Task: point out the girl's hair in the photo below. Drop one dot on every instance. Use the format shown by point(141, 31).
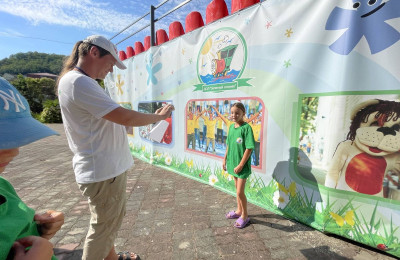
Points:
point(240, 106)
point(81, 49)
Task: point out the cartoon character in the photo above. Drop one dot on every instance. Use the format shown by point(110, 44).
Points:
point(368, 20)
point(222, 65)
point(370, 151)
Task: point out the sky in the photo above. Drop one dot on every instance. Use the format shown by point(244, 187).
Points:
point(54, 26)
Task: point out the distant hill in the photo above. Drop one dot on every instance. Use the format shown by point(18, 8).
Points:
point(32, 62)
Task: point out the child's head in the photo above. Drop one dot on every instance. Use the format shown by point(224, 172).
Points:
point(211, 115)
point(17, 127)
point(237, 112)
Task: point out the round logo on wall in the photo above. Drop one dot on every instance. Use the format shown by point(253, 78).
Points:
point(221, 61)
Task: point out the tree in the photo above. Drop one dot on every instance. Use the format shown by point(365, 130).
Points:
point(309, 108)
point(32, 62)
point(51, 112)
point(36, 91)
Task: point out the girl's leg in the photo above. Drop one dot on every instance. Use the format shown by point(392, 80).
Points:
point(239, 208)
point(241, 183)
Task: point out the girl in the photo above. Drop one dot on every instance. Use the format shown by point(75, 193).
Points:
point(240, 144)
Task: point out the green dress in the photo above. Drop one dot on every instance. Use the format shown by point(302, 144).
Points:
point(239, 139)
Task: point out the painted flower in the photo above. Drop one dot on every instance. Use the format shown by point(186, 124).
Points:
point(143, 148)
point(151, 159)
point(131, 145)
point(168, 160)
point(229, 178)
point(213, 179)
point(239, 140)
point(200, 175)
point(281, 199)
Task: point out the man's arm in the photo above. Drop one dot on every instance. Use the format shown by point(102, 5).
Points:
point(128, 117)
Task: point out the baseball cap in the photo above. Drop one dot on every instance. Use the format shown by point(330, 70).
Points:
point(104, 43)
point(17, 126)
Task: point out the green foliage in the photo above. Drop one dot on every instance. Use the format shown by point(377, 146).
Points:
point(101, 83)
point(36, 91)
point(51, 112)
point(36, 116)
point(32, 62)
point(309, 108)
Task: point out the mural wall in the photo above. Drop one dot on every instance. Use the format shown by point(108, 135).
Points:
point(320, 81)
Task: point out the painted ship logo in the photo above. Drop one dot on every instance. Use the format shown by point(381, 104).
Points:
point(221, 66)
point(221, 62)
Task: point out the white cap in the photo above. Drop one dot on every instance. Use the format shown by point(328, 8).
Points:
point(104, 43)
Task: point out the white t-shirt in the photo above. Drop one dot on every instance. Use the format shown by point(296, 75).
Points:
point(100, 146)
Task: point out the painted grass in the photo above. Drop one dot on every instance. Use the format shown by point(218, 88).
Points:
point(288, 199)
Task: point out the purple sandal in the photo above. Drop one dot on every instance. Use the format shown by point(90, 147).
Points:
point(241, 223)
point(231, 215)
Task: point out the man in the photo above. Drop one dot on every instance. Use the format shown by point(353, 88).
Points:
point(95, 129)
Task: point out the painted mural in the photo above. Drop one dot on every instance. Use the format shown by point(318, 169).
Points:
point(321, 84)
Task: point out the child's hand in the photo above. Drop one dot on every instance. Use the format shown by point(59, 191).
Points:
point(41, 249)
point(224, 165)
point(50, 222)
point(238, 169)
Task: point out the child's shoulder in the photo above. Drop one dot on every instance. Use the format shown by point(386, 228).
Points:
point(245, 125)
point(5, 185)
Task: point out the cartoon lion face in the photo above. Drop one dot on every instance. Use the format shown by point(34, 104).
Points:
point(375, 127)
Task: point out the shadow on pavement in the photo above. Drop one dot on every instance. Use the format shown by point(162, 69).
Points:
point(265, 219)
point(64, 254)
point(322, 252)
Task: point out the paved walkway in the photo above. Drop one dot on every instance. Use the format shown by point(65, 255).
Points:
point(168, 215)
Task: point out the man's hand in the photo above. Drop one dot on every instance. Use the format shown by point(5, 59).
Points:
point(41, 249)
point(50, 222)
point(165, 110)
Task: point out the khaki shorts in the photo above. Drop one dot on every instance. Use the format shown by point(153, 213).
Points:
point(107, 204)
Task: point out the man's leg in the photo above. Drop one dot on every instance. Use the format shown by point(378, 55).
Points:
point(107, 200)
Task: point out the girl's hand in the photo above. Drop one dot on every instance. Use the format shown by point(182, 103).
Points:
point(41, 249)
point(238, 169)
point(50, 222)
point(224, 165)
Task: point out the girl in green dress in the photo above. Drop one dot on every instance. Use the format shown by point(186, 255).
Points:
point(240, 144)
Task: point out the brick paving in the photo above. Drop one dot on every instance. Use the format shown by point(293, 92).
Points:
point(168, 215)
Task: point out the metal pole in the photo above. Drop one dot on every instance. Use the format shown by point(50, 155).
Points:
point(152, 33)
